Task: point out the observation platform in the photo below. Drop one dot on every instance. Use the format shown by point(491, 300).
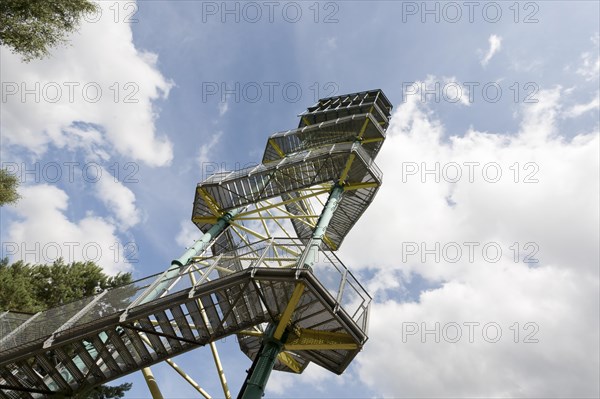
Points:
point(290, 293)
point(336, 143)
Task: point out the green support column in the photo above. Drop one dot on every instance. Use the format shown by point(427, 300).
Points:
point(258, 374)
point(199, 246)
point(311, 252)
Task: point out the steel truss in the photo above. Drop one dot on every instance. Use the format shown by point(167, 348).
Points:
point(263, 270)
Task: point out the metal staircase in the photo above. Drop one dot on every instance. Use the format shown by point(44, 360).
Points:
point(290, 291)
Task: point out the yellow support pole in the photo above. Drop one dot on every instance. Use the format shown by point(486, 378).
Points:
point(344, 174)
point(213, 349)
point(188, 379)
point(219, 366)
point(289, 311)
point(152, 385)
point(175, 367)
point(364, 127)
point(280, 203)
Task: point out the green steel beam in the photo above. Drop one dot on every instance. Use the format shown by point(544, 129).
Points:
point(258, 375)
point(196, 249)
point(311, 253)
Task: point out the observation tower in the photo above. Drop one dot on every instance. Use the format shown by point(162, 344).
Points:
point(264, 269)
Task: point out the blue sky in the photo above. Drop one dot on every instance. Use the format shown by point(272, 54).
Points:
point(163, 120)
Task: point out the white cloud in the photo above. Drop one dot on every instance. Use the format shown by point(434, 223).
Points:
point(313, 375)
point(279, 383)
point(118, 199)
point(454, 91)
point(205, 149)
point(558, 216)
point(223, 108)
point(188, 234)
point(552, 356)
point(580, 109)
point(100, 79)
point(521, 210)
point(384, 281)
point(590, 61)
point(43, 232)
point(495, 45)
point(435, 90)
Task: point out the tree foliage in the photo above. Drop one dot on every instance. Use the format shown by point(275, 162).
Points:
point(8, 187)
point(34, 288)
point(106, 392)
point(31, 27)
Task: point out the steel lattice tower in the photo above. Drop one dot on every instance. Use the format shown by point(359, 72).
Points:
point(264, 270)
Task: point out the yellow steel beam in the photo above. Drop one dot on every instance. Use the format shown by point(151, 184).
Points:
point(277, 223)
point(224, 270)
point(290, 265)
point(152, 385)
point(235, 226)
point(189, 379)
point(267, 230)
point(175, 367)
point(264, 225)
point(247, 230)
point(329, 243)
point(306, 121)
point(358, 186)
point(305, 334)
point(308, 220)
point(278, 204)
point(217, 360)
point(344, 174)
point(210, 201)
point(290, 216)
point(373, 140)
point(241, 236)
point(364, 127)
point(276, 148)
point(289, 311)
point(289, 361)
point(285, 248)
point(308, 347)
point(306, 339)
point(312, 222)
point(320, 201)
point(321, 186)
point(205, 219)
